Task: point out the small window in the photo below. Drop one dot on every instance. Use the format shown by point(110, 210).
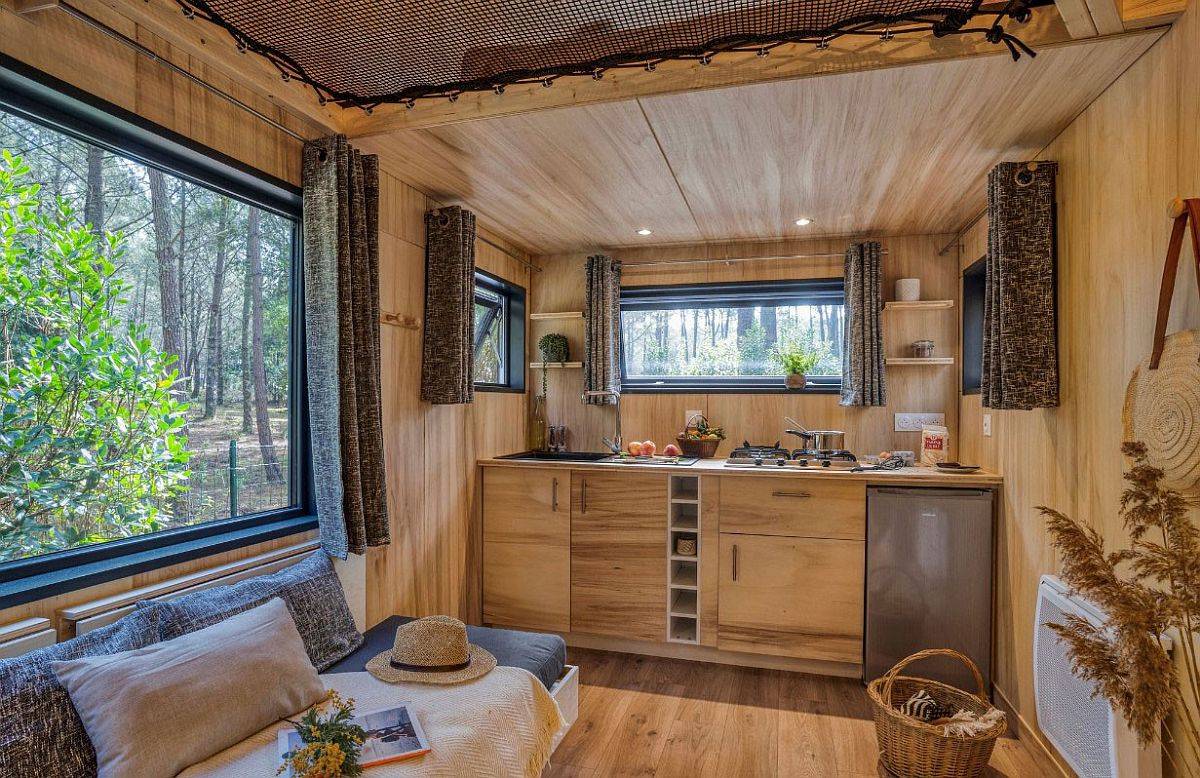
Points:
point(724, 337)
point(974, 283)
point(499, 334)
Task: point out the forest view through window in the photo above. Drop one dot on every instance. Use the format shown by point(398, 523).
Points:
point(145, 328)
point(730, 336)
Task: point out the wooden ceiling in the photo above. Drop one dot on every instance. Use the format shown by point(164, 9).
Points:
point(891, 151)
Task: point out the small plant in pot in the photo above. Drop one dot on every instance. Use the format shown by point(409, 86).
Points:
point(554, 348)
point(797, 361)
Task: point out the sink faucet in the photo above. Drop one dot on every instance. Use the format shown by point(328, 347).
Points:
point(613, 444)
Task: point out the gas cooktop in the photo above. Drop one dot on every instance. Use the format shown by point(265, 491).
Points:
point(747, 455)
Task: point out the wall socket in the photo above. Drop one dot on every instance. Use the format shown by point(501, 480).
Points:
point(913, 422)
point(987, 425)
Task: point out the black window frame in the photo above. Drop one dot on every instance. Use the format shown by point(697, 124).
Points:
point(52, 103)
point(512, 313)
point(806, 291)
point(974, 291)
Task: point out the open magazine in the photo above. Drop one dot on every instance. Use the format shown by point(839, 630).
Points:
point(392, 734)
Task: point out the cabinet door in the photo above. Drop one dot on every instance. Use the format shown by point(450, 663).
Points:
point(800, 597)
point(798, 507)
point(619, 554)
point(527, 548)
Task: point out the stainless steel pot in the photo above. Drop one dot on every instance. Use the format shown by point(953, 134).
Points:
point(818, 440)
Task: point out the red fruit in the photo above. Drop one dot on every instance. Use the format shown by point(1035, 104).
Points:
point(671, 450)
point(648, 448)
point(635, 448)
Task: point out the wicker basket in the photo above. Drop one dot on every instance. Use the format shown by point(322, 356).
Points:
point(909, 747)
point(704, 449)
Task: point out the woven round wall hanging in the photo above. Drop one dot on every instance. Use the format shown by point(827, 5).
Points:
point(1162, 401)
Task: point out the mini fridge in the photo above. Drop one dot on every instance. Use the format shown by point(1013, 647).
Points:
point(929, 581)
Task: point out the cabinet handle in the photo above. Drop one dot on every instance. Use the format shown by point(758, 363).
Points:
point(583, 496)
point(735, 561)
point(791, 494)
point(554, 495)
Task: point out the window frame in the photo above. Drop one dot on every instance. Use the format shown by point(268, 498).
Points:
point(974, 292)
point(688, 296)
point(54, 104)
point(512, 338)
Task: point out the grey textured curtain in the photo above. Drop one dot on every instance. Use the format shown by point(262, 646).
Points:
point(1020, 326)
point(341, 311)
point(863, 381)
point(602, 328)
point(448, 359)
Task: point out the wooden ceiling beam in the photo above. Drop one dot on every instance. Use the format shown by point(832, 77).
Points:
point(1077, 17)
point(214, 47)
point(732, 69)
point(1151, 13)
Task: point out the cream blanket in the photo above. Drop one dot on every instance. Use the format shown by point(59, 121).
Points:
point(501, 724)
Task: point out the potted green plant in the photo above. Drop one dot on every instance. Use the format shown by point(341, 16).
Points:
point(797, 361)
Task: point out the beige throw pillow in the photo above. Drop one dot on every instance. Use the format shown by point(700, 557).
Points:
point(157, 710)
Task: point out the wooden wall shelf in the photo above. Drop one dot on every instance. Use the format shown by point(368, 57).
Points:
point(558, 315)
point(897, 361)
point(555, 365)
point(917, 305)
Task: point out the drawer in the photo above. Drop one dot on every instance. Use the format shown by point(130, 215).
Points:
point(794, 507)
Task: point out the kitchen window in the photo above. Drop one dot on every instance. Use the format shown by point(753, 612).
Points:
point(151, 326)
point(499, 334)
point(723, 337)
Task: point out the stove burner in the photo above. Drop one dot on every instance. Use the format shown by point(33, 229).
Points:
point(747, 451)
point(841, 454)
point(775, 456)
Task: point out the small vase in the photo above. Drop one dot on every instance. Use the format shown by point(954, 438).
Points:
point(537, 425)
point(796, 381)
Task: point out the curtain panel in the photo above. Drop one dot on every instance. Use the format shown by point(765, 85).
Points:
point(341, 311)
point(1020, 320)
point(602, 329)
point(863, 380)
point(448, 355)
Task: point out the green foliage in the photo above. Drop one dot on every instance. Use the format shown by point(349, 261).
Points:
point(332, 744)
point(92, 444)
point(800, 357)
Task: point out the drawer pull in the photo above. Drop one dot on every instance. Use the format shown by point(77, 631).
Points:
point(735, 561)
point(554, 495)
point(791, 494)
point(583, 495)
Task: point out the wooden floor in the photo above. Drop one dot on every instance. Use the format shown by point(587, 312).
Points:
point(666, 717)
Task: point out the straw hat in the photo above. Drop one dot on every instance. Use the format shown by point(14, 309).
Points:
point(433, 649)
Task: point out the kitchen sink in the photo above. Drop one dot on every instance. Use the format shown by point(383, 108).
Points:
point(559, 456)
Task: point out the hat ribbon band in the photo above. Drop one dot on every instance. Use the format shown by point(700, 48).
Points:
point(429, 668)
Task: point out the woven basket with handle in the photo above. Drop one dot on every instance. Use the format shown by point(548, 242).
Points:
point(909, 747)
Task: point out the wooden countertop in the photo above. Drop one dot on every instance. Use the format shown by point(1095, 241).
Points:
point(908, 476)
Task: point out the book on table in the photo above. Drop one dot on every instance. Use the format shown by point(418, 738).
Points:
point(392, 734)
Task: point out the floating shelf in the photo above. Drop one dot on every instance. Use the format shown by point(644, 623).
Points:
point(897, 361)
point(555, 365)
point(917, 305)
point(557, 315)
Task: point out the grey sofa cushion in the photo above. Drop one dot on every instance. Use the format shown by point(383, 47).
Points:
point(156, 711)
point(313, 595)
point(40, 732)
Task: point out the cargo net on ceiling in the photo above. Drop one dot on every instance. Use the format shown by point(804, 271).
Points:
point(369, 52)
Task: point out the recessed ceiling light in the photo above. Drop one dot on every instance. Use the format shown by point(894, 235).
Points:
point(803, 221)
point(644, 231)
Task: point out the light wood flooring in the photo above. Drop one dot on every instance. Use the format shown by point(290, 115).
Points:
point(643, 715)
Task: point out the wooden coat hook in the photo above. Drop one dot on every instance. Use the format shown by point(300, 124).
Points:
point(1176, 208)
point(396, 320)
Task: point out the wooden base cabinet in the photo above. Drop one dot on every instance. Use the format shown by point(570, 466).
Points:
point(791, 596)
point(618, 554)
point(527, 548)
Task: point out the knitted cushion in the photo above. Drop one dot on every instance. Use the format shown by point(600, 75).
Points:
point(40, 732)
point(311, 590)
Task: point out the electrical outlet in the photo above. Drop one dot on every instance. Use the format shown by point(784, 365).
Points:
point(688, 416)
point(987, 425)
point(913, 422)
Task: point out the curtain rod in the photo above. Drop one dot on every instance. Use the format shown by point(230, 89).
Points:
point(121, 37)
point(731, 260)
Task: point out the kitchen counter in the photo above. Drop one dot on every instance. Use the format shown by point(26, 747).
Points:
point(907, 476)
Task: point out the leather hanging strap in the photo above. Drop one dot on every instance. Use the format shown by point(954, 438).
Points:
point(1190, 210)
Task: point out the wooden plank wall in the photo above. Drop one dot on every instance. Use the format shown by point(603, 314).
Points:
point(432, 564)
point(759, 417)
point(57, 44)
point(1120, 162)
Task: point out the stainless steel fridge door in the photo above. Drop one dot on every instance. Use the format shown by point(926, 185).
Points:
point(929, 580)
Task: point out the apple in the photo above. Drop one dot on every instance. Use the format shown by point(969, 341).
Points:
point(648, 448)
point(671, 450)
point(635, 448)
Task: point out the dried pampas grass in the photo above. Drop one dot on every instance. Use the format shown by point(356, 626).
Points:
point(1148, 589)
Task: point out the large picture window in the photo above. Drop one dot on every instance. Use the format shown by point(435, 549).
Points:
point(726, 337)
point(149, 329)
